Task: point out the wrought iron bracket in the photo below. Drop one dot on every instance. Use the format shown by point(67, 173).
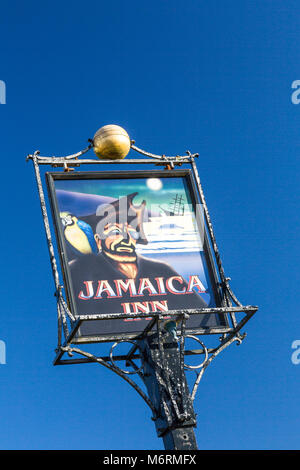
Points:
point(176, 398)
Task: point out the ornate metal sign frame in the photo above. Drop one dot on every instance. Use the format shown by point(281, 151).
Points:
point(68, 352)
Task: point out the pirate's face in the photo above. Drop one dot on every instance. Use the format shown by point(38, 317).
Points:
point(118, 241)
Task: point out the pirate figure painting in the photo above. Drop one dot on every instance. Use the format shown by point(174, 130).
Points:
point(117, 279)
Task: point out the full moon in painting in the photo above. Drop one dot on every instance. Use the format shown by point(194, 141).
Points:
point(155, 184)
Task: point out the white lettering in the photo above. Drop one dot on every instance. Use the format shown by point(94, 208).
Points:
point(171, 288)
point(195, 282)
point(145, 283)
point(89, 291)
point(104, 286)
point(124, 286)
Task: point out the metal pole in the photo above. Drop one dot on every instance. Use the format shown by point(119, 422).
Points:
point(165, 381)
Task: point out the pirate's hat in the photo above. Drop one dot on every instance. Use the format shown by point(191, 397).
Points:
point(121, 210)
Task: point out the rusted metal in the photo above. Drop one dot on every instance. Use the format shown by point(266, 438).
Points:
point(248, 309)
point(61, 162)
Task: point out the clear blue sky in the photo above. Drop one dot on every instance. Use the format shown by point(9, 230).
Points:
point(210, 77)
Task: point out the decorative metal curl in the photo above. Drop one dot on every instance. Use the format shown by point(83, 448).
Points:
point(137, 370)
point(66, 157)
point(117, 370)
point(205, 352)
point(217, 351)
point(161, 157)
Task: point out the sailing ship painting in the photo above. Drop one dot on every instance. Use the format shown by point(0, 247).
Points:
point(174, 229)
point(175, 235)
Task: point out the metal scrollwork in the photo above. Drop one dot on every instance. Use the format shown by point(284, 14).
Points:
point(204, 350)
point(137, 369)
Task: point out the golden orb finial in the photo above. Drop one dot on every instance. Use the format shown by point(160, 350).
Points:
point(111, 142)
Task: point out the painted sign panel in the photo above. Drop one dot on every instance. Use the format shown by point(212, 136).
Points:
point(133, 243)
